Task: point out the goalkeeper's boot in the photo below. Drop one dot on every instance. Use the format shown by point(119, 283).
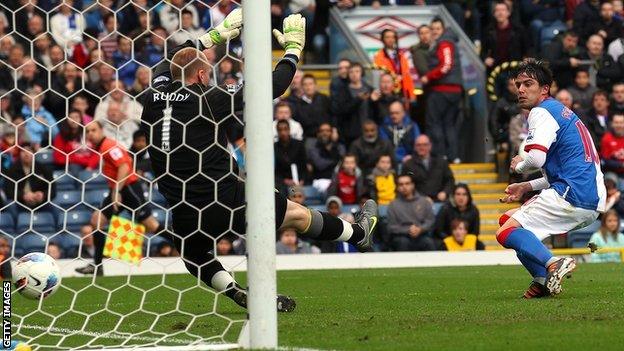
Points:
point(535, 291)
point(90, 269)
point(239, 295)
point(367, 219)
point(556, 272)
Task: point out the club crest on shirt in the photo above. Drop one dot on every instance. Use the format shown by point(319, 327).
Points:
point(566, 113)
point(530, 135)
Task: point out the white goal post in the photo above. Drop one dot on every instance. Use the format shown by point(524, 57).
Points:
point(259, 187)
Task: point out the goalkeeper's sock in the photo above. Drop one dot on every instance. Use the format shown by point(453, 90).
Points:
point(525, 243)
point(324, 226)
point(537, 271)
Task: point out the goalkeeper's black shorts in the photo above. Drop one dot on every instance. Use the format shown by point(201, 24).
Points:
point(219, 215)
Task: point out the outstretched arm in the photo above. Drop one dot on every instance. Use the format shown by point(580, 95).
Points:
point(225, 31)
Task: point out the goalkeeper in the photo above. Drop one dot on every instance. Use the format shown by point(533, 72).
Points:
point(185, 120)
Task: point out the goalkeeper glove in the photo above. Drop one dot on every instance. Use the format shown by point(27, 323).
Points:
point(293, 38)
point(226, 30)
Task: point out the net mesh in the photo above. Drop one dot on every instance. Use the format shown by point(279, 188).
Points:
point(86, 60)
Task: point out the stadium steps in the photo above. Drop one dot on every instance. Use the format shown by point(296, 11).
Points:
point(489, 240)
point(486, 198)
point(486, 191)
point(488, 229)
point(476, 178)
point(486, 188)
point(495, 208)
point(462, 168)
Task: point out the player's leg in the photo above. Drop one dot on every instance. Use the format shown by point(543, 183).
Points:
point(99, 219)
point(323, 226)
point(513, 236)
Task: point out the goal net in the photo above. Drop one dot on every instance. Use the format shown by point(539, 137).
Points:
point(61, 66)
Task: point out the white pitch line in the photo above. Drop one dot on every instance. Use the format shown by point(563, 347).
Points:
point(117, 336)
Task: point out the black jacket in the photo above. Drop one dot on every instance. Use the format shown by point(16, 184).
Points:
point(519, 44)
point(586, 20)
point(367, 153)
point(16, 181)
point(433, 180)
point(608, 71)
point(448, 213)
point(596, 130)
point(560, 62)
point(311, 115)
point(287, 154)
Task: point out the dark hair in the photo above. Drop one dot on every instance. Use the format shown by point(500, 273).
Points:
point(437, 19)
point(501, 2)
point(390, 30)
point(409, 175)
point(107, 16)
point(282, 121)
point(421, 27)
point(465, 187)
point(65, 130)
point(535, 69)
point(456, 222)
point(570, 33)
point(139, 134)
point(308, 76)
point(186, 11)
point(349, 154)
point(600, 92)
point(357, 64)
point(383, 155)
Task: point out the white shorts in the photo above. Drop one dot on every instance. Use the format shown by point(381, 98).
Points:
point(549, 214)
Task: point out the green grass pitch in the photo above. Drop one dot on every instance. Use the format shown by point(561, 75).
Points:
point(467, 308)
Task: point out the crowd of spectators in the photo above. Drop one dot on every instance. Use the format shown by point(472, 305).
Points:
point(65, 63)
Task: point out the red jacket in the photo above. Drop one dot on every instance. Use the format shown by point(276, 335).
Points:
point(65, 152)
point(612, 149)
point(446, 56)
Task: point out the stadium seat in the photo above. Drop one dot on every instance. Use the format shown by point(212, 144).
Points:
point(95, 197)
point(436, 207)
point(74, 220)
point(92, 180)
point(353, 209)
point(64, 181)
point(7, 223)
point(156, 197)
point(30, 242)
point(312, 196)
point(44, 157)
point(67, 199)
point(42, 222)
point(580, 238)
point(160, 215)
point(383, 211)
point(70, 243)
point(549, 32)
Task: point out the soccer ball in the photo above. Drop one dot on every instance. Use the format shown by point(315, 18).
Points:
point(35, 275)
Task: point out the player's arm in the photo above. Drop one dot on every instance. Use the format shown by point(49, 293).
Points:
point(542, 133)
point(539, 184)
point(293, 41)
point(225, 31)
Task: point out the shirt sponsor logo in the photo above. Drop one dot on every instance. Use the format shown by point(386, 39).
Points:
point(160, 79)
point(531, 134)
